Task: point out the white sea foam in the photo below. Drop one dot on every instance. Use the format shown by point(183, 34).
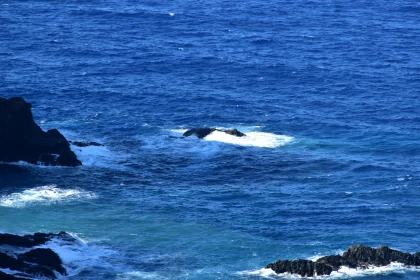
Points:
point(44, 195)
point(264, 272)
point(93, 155)
point(139, 275)
point(78, 255)
point(256, 139)
point(345, 272)
point(252, 139)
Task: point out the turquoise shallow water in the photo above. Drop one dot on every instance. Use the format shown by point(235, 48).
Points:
point(327, 93)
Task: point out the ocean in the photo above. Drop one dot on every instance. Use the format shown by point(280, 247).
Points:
point(326, 91)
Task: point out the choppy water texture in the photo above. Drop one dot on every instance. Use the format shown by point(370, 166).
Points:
point(328, 90)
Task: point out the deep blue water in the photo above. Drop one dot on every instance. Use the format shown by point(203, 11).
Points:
point(328, 90)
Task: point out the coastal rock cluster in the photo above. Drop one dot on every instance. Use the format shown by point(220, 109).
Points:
point(204, 131)
point(21, 139)
point(357, 256)
point(21, 259)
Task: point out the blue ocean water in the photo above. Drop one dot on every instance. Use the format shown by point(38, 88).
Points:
point(327, 91)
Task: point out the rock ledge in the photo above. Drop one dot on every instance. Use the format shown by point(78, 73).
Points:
point(357, 256)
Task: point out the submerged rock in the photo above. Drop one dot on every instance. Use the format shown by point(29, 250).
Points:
point(34, 263)
point(357, 256)
point(21, 139)
point(204, 131)
point(85, 144)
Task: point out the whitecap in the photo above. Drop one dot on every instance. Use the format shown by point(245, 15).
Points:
point(346, 272)
point(264, 272)
point(252, 139)
point(49, 194)
point(93, 155)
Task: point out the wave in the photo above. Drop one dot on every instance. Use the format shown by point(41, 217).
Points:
point(342, 273)
point(93, 155)
point(49, 194)
point(78, 256)
point(252, 139)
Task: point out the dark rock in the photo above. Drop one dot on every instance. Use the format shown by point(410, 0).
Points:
point(38, 262)
point(363, 256)
point(234, 132)
point(15, 240)
point(204, 131)
point(85, 144)
point(357, 256)
point(31, 240)
point(304, 268)
point(45, 257)
point(334, 261)
point(22, 139)
point(17, 264)
point(199, 132)
point(4, 276)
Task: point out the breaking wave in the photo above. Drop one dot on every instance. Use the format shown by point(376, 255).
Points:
point(49, 194)
point(252, 139)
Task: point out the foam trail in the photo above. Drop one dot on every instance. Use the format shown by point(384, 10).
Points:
point(44, 195)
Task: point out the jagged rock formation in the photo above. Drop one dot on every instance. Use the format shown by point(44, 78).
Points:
point(357, 256)
point(34, 263)
point(21, 139)
point(204, 131)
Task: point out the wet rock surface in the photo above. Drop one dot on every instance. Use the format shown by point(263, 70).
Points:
point(21, 139)
point(18, 254)
point(204, 131)
point(357, 256)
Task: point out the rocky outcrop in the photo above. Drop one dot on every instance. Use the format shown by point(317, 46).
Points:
point(204, 131)
point(35, 262)
point(357, 256)
point(21, 139)
point(304, 268)
point(85, 144)
point(32, 240)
